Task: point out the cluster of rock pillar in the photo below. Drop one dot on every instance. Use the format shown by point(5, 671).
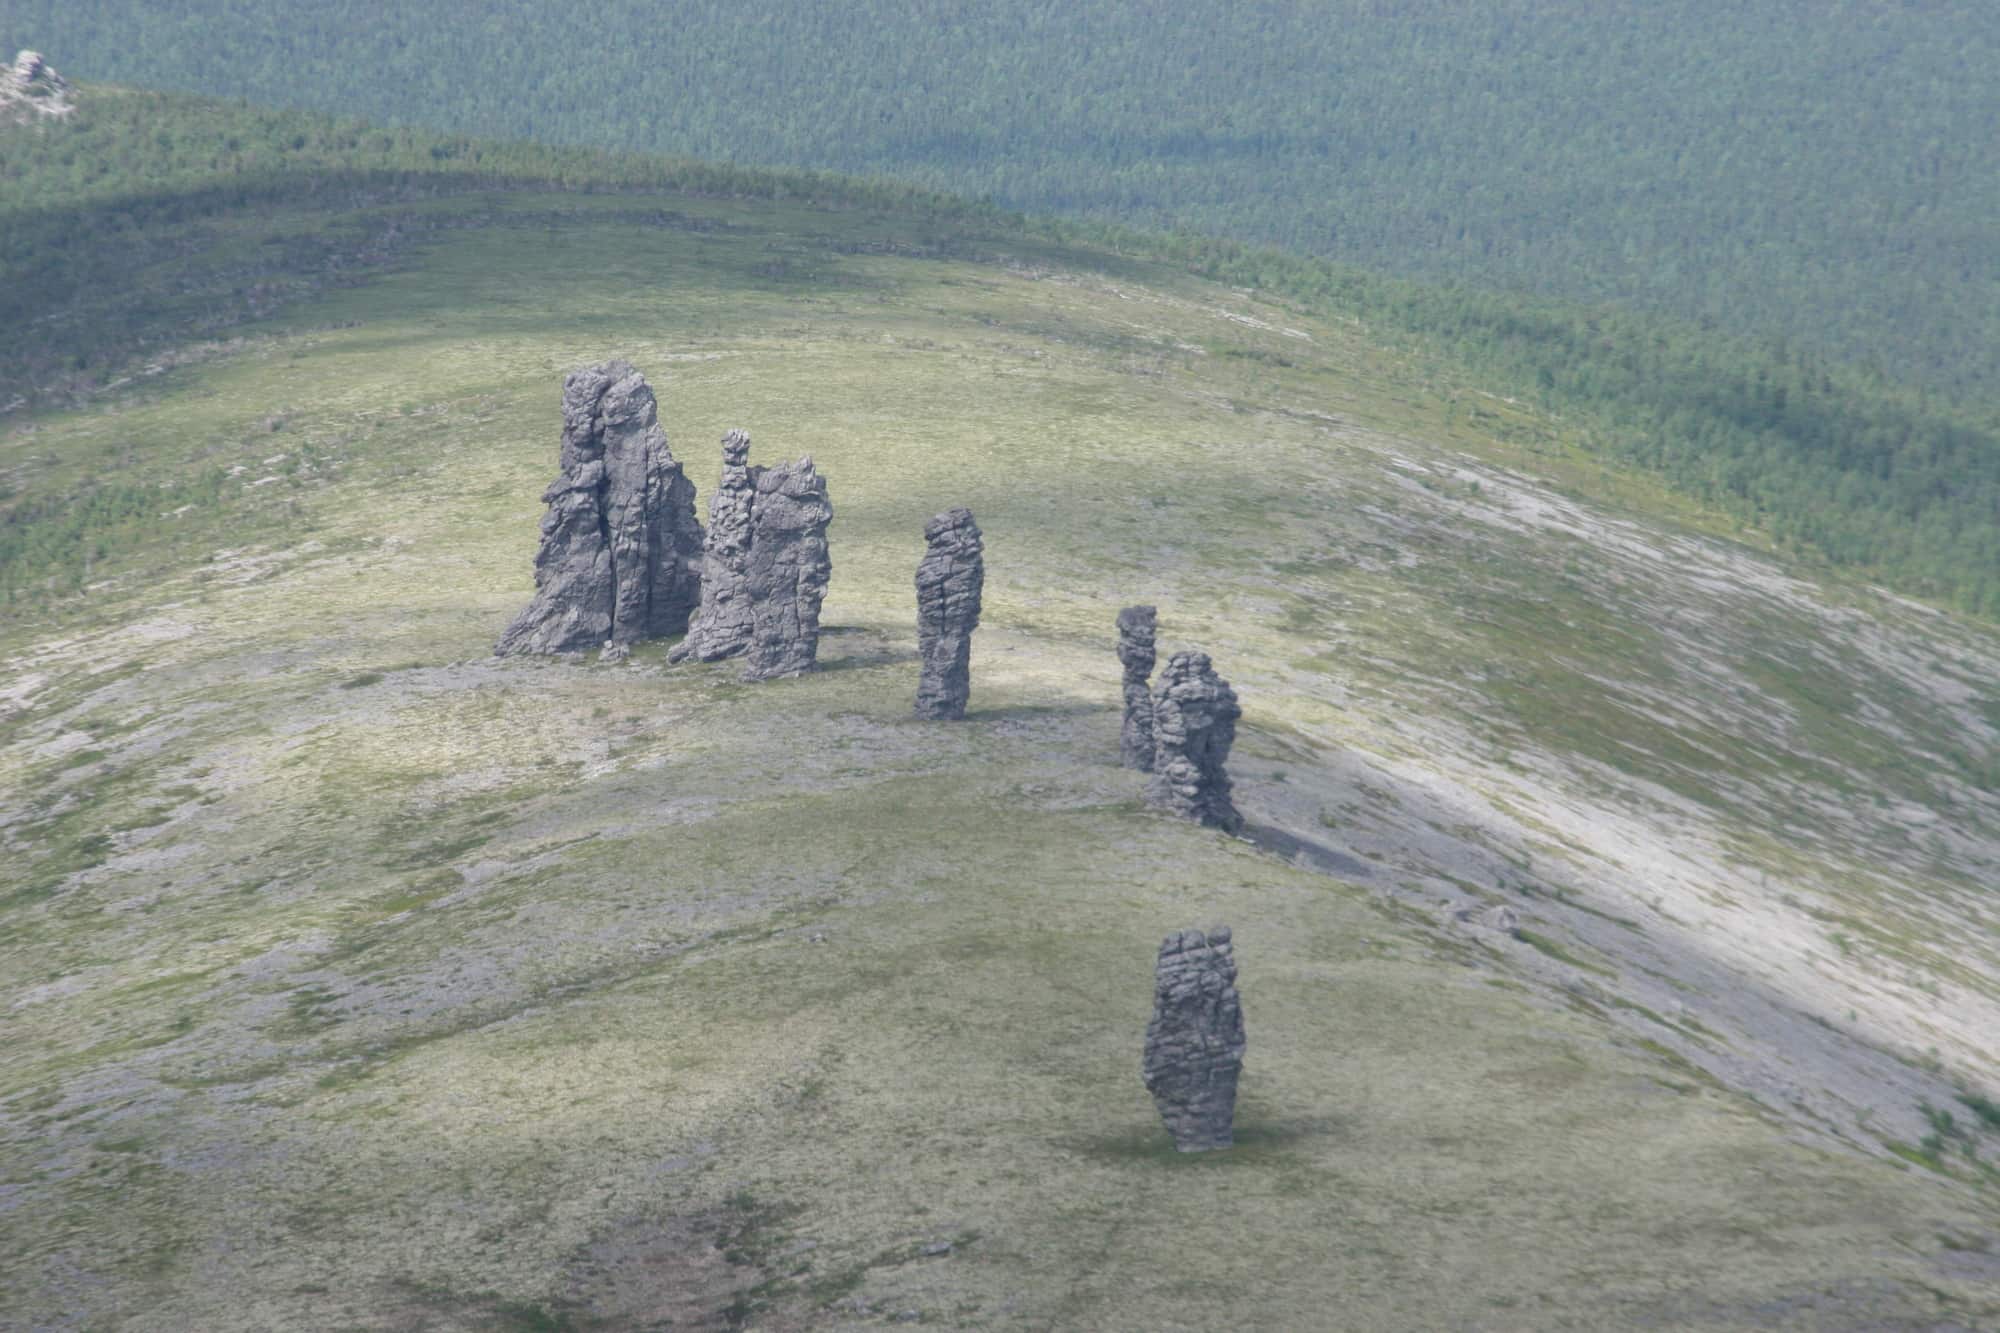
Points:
point(623, 557)
point(1180, 728)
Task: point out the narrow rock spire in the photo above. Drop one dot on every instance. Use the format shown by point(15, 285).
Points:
point(950, 579)
point(1195, 1042)
point(1194, 724)
point(1137, 629)
point(788, 570)
point(721, 627)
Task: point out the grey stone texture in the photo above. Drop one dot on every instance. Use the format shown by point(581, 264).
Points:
point(1138, 628)
point(31, 85)
point(722, 624)
point(950, 579)
point(788, 570)
point(618, 556)
point(1194, 724)
point(1195, 1042)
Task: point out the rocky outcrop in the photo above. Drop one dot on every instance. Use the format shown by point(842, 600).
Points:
point(950, 579)
point(617, 560)
point(32, 86)
point(788, 569)
point(722, 625)
point(1195, 1043)
point(1138, 627)
point(1194, 724)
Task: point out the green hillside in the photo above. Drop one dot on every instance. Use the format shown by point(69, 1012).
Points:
point(1826, 173)
point(352, 978)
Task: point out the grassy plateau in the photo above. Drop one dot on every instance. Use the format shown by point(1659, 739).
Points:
point(353, 979)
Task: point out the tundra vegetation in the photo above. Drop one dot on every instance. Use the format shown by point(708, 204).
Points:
point(1614, 898)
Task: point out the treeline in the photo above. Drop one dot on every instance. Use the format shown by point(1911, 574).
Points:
point(1868, 473)
point(1827, 171)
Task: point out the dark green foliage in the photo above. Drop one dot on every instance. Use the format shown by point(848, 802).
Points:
point(101, 213)
point(1828, 172)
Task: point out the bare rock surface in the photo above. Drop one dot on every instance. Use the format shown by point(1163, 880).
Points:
point(1138, 627)
point(32, 86)
point(616, 562)
point(1195, 1043)
point(950, 578)
point(722, 625)
point(788, 569)
point(1194, 724)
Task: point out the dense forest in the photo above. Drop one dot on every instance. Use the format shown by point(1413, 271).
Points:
point(100, 211)
point(1827, 171)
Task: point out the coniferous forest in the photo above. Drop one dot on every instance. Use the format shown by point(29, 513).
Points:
point(1822, 170)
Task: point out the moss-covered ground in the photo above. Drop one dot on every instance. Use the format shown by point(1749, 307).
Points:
point(350, 978)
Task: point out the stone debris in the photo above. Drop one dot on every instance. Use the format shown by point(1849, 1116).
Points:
point(722, 625)
point(617, 560)
point(950, 578)
point(1138, 627)
point(1195, 1043)
point(1498, 917)
point(31, 85)
point(788, 569)
point(1194, 724)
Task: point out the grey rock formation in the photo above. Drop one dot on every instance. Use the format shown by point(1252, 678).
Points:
point(1195, 1043)
point(1194, 724)
point(617, 561)
point(1138, 626)
point(950, 578)
point(31, 85)
point(788, 569)
point(722, 625)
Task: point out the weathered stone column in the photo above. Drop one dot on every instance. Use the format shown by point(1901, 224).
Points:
point(1195, 1043)
point(721, 626)
point(1194, 724)
point(788, 570)
point(615, 563)
point(950, 579)
point(1137, 630)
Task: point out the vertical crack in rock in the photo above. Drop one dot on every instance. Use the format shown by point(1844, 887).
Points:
point(616, 560)
point(722, 625)
point(950, 579)
point(1195, 1043)
point(1194, 724)
point(1137, 630)
point(788, 569)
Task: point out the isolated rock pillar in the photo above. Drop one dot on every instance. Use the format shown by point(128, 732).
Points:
point(950, 579)
point(1195, 1043)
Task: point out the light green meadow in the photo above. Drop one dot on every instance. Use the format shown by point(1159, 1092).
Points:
point(353, 979)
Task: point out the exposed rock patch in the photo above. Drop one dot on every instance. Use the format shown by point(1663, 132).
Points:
point(31, 86)
point(1138, 628)
point(788, 570)
point(1195, 1042)
point(950, 579)
point(722, 626)
point(617, 560)
point(1194, 724)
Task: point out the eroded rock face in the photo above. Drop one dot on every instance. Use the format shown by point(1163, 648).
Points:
point(788, 569)
point(950, 579)
point(31, 84)
point(616, 562)
point(1194, 724)
point(1195, 1043)
point(1138, 627)
point(722, 624)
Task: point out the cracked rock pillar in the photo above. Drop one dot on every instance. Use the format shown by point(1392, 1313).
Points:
point(1137, 629)
point(950, 579)
point(1194, 724)
point(1195, 1042)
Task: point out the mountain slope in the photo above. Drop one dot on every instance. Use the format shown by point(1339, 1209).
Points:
point(1819, 172)
point(353, 978)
